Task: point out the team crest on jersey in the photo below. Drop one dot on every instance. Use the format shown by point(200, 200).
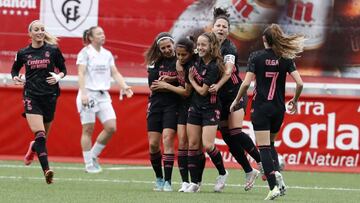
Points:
point(47, 54)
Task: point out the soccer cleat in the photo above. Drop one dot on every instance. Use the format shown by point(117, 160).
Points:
point(184, 186)
point(220, 182)
point(30, 154)
point(92, 169)
point(193, 187)
point(167, 187)
point(250, 179)
point(274, 193)
point(159, 184)
point(261, 169)
point(49, 174)
point(280, 182)
point(95, 162)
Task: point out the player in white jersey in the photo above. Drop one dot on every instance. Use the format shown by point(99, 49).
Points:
point(96, 67)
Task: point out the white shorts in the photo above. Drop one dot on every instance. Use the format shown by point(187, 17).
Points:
point(99, 106)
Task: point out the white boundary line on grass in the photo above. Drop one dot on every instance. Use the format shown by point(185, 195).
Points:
point(175, 183)
point(137, 181)
point(78, 168)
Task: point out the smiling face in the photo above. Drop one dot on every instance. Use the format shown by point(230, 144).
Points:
point(221, 29)
point(37, 32)
point(166, 47)
point(203, 46)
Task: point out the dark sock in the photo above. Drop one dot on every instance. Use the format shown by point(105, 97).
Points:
point(246, 143)
point(268, 165)
point(193, 165)
point(275, 157)
point(155, 159)
point(216, 158)
point(202, 162)
point(168, 166)
point(236, 150)
point(183, 164)
point(40, 148)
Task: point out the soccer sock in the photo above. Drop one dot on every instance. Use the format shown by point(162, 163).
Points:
point(40, 148)
point(236, 150)
point(168, 166)
point(97, 149)
point(246, 143)
point(183, 164)
point(87, 157)
point(193, 165)
point(217, 160)
point(155, 160)
point(202, 162)
point(275, 157)
point(268, 165)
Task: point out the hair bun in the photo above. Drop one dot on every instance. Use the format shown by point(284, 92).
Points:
point(220, 12)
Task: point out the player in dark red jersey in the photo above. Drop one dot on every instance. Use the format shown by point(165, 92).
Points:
point(44, 67)
point(162, 108)
point(270, 67)
point(231, 122)
point(204, 111)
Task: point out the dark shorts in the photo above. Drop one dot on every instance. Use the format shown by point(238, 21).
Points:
point(203, 117)
point(226, 103)
point(44, 105)
point(262, 120)
point(183, 114)
point(159, 120)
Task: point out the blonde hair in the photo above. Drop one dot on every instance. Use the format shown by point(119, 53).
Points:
point(286, 46)
point(49, 39)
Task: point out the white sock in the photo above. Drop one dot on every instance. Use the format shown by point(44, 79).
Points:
point(97, 149)
point(87, 157)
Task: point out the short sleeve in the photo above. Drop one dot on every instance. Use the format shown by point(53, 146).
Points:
point(112, 61)
point(82, 57)
point(291, 66)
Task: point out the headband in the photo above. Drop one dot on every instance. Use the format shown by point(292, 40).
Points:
point(162, 38)
point(34, 21)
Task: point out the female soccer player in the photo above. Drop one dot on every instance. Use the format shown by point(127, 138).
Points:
point(44, 67)
point(227, 87)
point(204, 111)
point(270, 67)
point(162, 108)
point(96, 67)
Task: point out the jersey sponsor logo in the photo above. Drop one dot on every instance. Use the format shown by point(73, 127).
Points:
point(167, 73)
point(38, 63)
point(69, 17)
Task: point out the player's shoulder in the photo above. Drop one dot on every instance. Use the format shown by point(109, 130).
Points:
point(255, 55)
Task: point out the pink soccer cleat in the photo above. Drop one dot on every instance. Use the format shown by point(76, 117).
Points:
point(30, 154)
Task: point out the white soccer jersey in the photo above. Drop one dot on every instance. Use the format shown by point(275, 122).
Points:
point(98, 67)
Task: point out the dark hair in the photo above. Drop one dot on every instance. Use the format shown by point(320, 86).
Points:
point(286, 46)
point(87, 33)
point(186, 42)
point(220, 13)
point(153, 54)
point(215, 50)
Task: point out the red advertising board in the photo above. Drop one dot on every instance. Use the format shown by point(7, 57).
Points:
point(324, 136)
